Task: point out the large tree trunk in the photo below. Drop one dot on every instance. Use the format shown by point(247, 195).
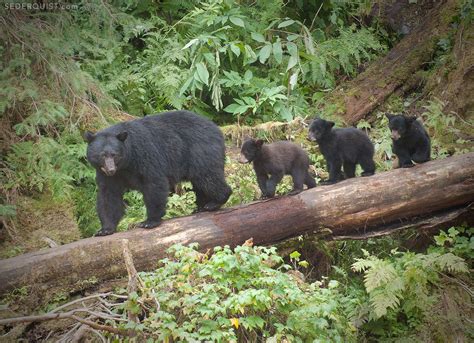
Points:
point(369, 89)
point(357, 206)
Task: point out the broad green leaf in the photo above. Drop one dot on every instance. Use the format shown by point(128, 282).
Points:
point(248, 75)
point(286, 23)
point(277, 52)
point(202, 73)
point(235, 49)
point(233, 108)
point(258, 37)
point(292, 37)
point(292, 62)
point(292, 49)
point(265, 53)
point(237, 21)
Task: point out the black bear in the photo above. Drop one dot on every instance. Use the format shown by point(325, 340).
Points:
point(342, 147)
point(410, 140)
point(151, 155)
point(272, 161)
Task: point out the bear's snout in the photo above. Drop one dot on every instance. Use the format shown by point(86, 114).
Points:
point(109, 167)
point(243, 159)
point(395, 135)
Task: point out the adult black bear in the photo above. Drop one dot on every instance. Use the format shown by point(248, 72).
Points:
point(342, 147)
point(410, 140)
point(152, 154)
point(277, 159)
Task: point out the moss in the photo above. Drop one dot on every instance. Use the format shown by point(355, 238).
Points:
point(38, 221)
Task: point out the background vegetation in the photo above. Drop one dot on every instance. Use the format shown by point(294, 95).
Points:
point(240, 63)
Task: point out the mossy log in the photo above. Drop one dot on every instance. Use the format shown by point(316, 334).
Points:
point(359, 97)
point(361, 205)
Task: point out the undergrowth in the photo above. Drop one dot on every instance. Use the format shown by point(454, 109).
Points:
point(251, 294)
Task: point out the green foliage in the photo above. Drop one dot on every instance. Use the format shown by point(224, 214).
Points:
point(262, 65)
point(401, 286)
point(442, 131)
point(48, 163)
point(458, 241)
point(235, 296)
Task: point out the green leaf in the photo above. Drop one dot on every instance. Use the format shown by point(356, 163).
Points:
point(237, 21)
point(286, 23)
point(265, 53)
point(202, 73)
point(248, 75)
point(258, 37)
point(292, 62)
point(278, 52)
point(292, 37)
point(295, 255)
point(292, 48)
point(235, 49)
point(191, 42)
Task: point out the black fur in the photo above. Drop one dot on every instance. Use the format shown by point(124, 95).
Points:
point(410, 140)
point(272, 161)
point(151, 155)
point(345, 147)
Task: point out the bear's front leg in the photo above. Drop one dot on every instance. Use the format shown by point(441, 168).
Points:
point(155, 197)
point(272, 182)
point(110, 207)
point(334, 168)
point(262, 184)
point(404, 157)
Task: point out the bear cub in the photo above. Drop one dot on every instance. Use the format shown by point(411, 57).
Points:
point(345, 147)
point(272, 161)
point(151, 155)
point(410, 140)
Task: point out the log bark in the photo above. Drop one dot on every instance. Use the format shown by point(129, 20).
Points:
point(352, 207)
point(359, 97)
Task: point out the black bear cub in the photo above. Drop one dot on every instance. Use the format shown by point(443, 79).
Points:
point(272, 161)
point(410, 140)
point(151, 155)
point(342, 147)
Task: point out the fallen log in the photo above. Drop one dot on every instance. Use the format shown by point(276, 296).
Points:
point(351, 207)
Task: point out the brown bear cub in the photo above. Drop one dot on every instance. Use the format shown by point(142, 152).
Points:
point(272, 161)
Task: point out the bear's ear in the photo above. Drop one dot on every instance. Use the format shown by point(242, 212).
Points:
point(410, 120)
point(259, 143)
point(389, 116)
point(330, 124)
point(88, 136)
point(122, 136)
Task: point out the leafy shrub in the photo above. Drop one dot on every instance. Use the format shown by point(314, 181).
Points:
point(235, 296)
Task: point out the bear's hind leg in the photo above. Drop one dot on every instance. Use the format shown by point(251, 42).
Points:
point(368, 166)
point(298, 175)
point(215, 189)
point(349, 169)
point(155, 197)
point(309, 180)
point(422, 155)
